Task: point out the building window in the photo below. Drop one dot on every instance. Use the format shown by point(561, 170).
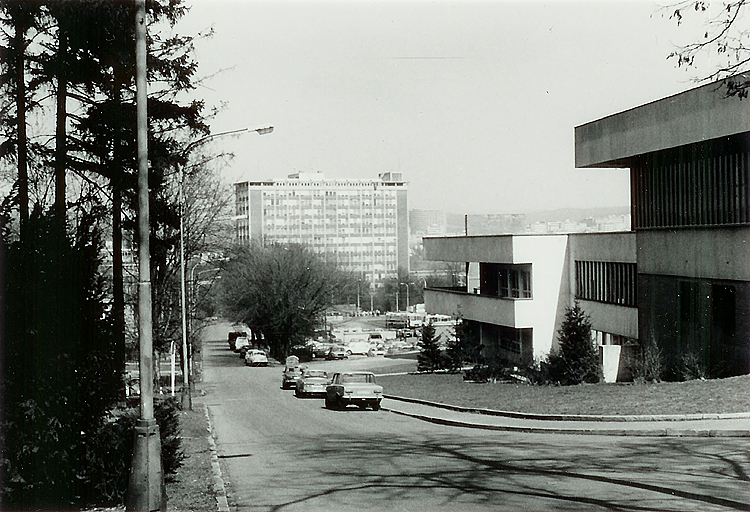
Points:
point(606, 281)
point(704, 184)
point(607, 338)
point(506, 281)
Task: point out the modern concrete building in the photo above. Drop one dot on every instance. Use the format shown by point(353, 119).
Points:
point(520, 285)
point(362, 225)
point(679, 279)
point(689, 161)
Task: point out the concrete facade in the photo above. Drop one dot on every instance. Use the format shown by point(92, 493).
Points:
point(361, 225)
point(697, 115)
point(689, 157)
point(552, 263)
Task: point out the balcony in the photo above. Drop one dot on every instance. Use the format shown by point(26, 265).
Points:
point(481, 308)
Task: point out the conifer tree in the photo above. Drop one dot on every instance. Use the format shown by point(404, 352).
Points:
point(429, 358)
point(577, 359)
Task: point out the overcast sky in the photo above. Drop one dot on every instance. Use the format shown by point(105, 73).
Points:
point(474, 102)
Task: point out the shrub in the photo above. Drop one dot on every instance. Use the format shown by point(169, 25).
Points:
point(40, 471)
point(167, 414)
point(498, 368)
point(692, 367)
point(649, 364)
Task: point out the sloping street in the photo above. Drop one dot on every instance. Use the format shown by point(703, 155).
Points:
point(278, 452)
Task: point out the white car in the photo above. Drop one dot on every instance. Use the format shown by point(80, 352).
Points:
point(357, 388)
point(255, 357)
point(358, 348)
point(312, 383)
point(242, 342)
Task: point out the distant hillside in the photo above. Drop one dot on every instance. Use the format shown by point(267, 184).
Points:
point(507, 223)
point(575, 214)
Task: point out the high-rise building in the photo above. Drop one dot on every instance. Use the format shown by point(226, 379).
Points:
point(362, 225)
point(427, 222)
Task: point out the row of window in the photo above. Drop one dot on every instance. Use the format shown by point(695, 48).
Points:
point(693, 186)
point(607, 281)
point(506, 281)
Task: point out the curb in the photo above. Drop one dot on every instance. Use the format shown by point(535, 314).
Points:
point(574, 417)
point(662, 432)
point(219, 489)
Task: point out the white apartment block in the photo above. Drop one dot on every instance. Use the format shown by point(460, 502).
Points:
point(362, 225)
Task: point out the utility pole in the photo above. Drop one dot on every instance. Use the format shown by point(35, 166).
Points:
point(146, 490)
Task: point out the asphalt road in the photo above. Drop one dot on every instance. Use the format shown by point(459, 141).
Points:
point(278, 452)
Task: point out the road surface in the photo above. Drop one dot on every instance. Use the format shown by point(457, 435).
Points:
point(278, 452)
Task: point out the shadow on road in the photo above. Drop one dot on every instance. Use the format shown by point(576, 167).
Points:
point(506, 474)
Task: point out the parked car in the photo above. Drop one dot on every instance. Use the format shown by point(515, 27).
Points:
point(290, 376)
point(312, 383)
point(232, 338)
point(241, 345)
point(358, 347)
point(377, 350)
point(357, 388)
point(256, 357)
point(337, 352)
point(320, 349)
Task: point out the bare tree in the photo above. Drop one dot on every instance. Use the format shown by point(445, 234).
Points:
point(279, 291)
point(726, 41)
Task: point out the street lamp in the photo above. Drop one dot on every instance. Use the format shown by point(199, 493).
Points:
point(407, 294)
point(185, 397)
point(146, 490)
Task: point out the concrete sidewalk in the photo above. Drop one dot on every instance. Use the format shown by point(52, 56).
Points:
point(710, 425)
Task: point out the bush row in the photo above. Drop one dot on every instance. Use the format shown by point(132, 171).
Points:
point(45, 465)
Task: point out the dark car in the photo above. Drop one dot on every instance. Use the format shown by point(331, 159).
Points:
point(320, 350)
point(337, 352)
point(290, 376)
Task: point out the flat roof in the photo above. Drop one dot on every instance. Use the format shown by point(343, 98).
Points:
point(699, 114)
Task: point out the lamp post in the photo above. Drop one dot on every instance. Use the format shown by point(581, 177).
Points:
point(146, 490)
point(407, 294)
point(185, 397)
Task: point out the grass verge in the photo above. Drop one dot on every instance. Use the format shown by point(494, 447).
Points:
point(191, 489)
point(718, 396)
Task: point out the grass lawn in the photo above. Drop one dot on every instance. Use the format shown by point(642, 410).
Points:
point(693, 397)
point(191, 489)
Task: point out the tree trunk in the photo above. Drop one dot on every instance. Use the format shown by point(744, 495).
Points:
point(19, 42)
point(60, 131)
point(118, 292)
point(118, 288)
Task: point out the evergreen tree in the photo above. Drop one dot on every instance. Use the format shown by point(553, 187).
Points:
point(577, 358)
point(430, 358)
point(457, 349)
point(465, 347)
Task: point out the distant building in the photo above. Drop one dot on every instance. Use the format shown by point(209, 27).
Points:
point(362, 225)
point(495, 223)
point(427, 222)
